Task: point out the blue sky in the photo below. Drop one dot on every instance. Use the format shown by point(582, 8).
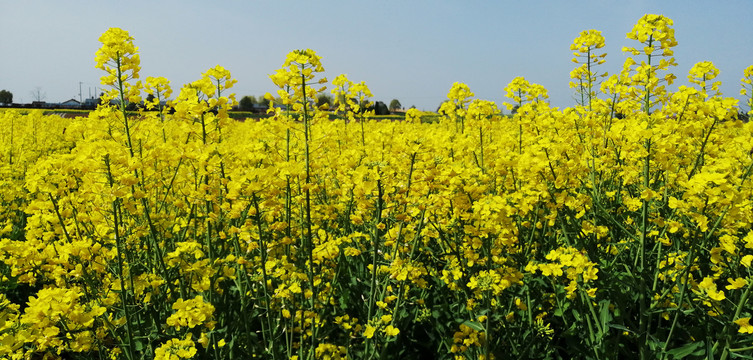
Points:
point(407, 50)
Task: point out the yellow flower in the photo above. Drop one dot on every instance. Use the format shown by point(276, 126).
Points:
point(745, 326)
point(746, 260)
point(708, 287)
point(391, 330)
point(368, 332)
point(736, 283)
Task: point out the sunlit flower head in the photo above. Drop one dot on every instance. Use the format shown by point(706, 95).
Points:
point(653, 30)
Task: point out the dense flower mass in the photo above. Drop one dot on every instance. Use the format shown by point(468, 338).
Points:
point(617, 228)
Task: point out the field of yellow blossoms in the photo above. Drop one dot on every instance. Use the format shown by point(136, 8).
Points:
point(619, 228)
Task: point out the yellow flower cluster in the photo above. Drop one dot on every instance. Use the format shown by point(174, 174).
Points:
point(702, 72)
point(119, 57)
point(747, 87)
point(299, 69)
point(176, 349)
point(652, 29)
point(191, 313)
point(465, 339)
point(585, 75)
point(521, 91)
point(351, 98)
point(570, 263)
point(54, 321)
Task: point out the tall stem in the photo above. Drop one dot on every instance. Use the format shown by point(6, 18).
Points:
point(123, 104)
point(309, 243)
point(647, 95)
point(121, 272)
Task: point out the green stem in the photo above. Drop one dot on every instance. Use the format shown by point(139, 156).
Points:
point(129, 351)
point(590, 82)
point(123, 103)
point(481, 143)
point(647, 96)
point(309, 243)
point(263, 254)
point(699, 159)
point(645, 315)
point(375, 252)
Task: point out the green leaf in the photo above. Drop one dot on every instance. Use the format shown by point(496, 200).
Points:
point(403, 313)
point(620, 327)
point(560, 311)
point(695, 348)
point(739, 356)
point(605, 316)
point(473, 325)
point(577, 316)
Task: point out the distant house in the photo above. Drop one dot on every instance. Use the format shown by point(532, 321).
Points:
point(91, 102)
point(70, 103)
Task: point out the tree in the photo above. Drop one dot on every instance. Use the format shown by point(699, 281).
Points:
point(322, 99)
point(381, 109)
point(741, 115)
point(247, 103)
point(131, 106)
point(6, 97)
point(395, 105)
point(37, 94)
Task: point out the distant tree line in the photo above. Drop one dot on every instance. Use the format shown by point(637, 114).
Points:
point(248, 103)
point(259, 104)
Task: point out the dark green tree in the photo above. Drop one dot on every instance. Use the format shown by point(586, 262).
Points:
point(322, 99)
point(6, 97)
point(380, 108)
point(395, 105)
point(131, 106)
point(247, 103)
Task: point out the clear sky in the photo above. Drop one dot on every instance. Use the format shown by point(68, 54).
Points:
point(407, 50)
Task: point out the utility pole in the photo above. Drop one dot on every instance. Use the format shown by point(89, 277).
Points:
point(79, 93)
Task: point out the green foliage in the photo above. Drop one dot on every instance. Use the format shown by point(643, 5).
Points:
point(247, 103)
point(395, 105)
point(6, 97)
point(322, 99)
